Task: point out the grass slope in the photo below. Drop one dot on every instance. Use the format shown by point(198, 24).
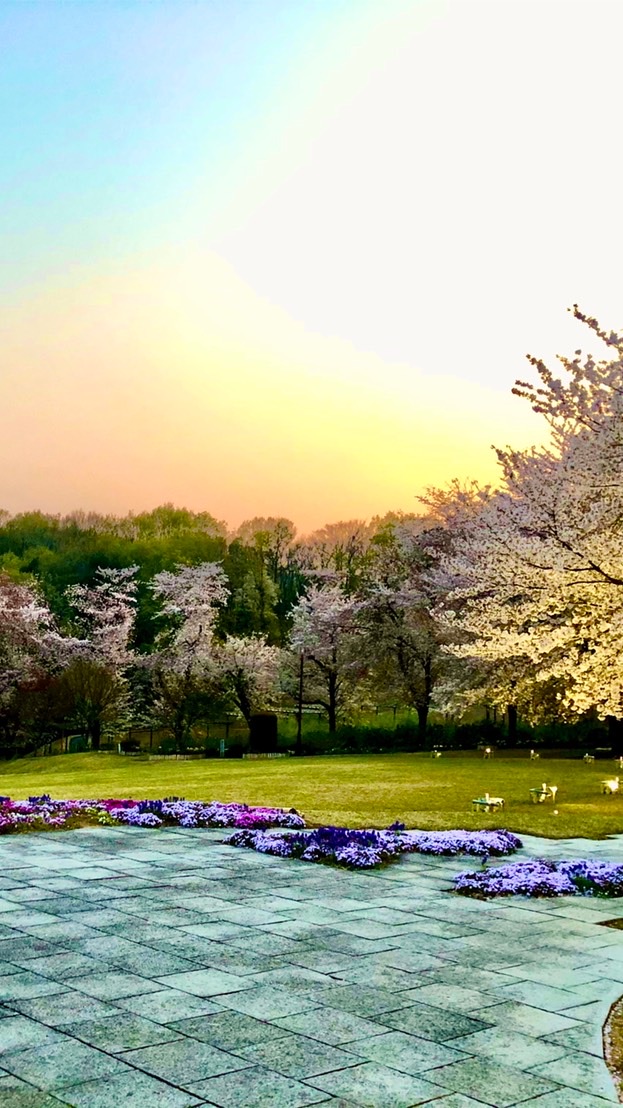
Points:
point(370, 791)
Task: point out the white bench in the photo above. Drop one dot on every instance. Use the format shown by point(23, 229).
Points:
point(488, 803)
point(544, 792)
point(611, 785)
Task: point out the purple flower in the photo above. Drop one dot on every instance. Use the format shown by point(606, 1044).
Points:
point(540, 877)
point(362, 849)
point(41, 812)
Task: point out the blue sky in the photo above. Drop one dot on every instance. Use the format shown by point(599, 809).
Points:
point(124, 123)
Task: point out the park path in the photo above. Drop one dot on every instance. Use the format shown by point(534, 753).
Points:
point(164, 969)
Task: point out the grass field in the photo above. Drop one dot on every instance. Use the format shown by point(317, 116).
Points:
point(358, 791)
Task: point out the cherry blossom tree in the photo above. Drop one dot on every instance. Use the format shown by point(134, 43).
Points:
point(182, 667)
point(539, 564)
point(190, 598)
point(95, 676)
point(28, 635)
point(32, 651)
point(325, 634)
point(404, 640)
point(105, 614)
point(247, 672)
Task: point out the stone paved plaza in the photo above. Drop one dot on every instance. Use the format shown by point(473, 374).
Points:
point(165, 969)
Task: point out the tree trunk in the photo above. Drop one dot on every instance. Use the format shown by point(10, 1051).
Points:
point(615, 733)
point(179, 728)
point(96, 734)
point(424, 706)
point(243, 702)
point(299, 714)
point(512, 722)
point(332, 706)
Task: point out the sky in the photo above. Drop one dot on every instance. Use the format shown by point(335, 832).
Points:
point(286, 257)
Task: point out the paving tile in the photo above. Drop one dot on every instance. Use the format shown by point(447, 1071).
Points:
point(63, 931)
point(510, 1048)
point(329, 962)
point(27, 894)
point(583, 1072)
point(27, 946)
point(110, 986)
point(167, 1005)
point(132, 956)
point(596, 1011)
point(22, 986)
point(64, 1007)
point(221, 955)
point(231, 1030)
point(66, 1063)
point(412, 961)
point(208, 982)
point(257, 1088)
point(147, 962)
point(456, 998)
point(363, 1000)
point(26, 917)
point(385, 966)
point(379, 976)
point(539, 996)
point(486, 1080)
point(184, 1061)
point(134, 1088)
point(599, 990)
point(550, 975)
point(377, 1086)
point(405, 1052)
point(263, 943)
point(61, 967)
point(472, 977)
point(17, 1094)
point(562, 1098)
point(19, 1033)
point(298, 1056)
point(527, 1020)
point(294, 977)
point(340, 903)
point(327, 939)
point(330, 1025)
point(123, 1031)
point(585, 1037)
point(266, 1003)
point(457, 1100)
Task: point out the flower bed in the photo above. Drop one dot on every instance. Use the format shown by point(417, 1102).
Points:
point(363, 849)
point(41, 813)
point(539, 878)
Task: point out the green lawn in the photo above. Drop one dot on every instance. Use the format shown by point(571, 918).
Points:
point(358, 791)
